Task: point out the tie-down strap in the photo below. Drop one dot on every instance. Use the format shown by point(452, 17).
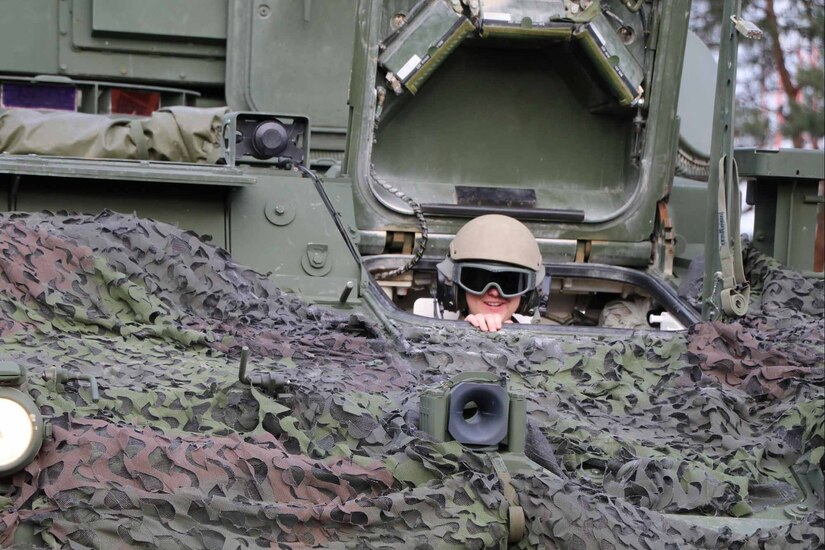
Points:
point(514, 511)
point(736, 290)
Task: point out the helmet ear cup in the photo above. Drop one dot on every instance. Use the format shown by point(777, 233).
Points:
point(529, 302)
point(446, 292)
point(461, 301)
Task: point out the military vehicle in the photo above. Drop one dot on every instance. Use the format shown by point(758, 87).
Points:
point(219, 276)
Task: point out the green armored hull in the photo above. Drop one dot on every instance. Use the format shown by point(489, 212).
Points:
point(220, 216)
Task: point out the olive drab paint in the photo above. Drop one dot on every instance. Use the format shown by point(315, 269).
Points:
point(187, 232)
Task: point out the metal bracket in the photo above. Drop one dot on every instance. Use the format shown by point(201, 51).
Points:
point(316, 261)
point(271, 383)
point(57, 378)
point(746, 28)
point(280, 213)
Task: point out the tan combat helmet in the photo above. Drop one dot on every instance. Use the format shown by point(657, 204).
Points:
point(497, 238)
point(493, 239)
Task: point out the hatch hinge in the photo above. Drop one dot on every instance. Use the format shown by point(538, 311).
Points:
point(583, 249)
point(400, 242)
point(664, 245)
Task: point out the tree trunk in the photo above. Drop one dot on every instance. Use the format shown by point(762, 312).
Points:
point(790, 89)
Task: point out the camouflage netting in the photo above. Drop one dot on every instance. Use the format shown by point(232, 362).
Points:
point(179, 454)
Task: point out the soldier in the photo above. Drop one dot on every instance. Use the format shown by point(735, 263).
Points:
point(492, 274)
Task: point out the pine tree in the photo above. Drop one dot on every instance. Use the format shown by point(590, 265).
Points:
point(781, 85)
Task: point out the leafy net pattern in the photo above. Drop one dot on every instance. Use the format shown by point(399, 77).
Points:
point(178, 454)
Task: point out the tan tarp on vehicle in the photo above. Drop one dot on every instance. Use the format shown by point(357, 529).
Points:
point(177, 134)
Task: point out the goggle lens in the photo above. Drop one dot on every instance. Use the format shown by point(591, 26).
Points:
point(478, 280)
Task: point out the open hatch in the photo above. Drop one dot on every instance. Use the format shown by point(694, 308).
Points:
point(554, 113)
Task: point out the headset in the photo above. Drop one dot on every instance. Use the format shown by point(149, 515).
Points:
point(452, 297)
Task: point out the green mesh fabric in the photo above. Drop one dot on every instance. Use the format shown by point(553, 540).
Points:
point(177, 453)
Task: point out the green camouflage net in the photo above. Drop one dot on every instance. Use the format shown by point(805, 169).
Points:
point(631, 431)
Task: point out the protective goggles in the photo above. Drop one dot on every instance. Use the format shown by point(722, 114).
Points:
point(510, 281)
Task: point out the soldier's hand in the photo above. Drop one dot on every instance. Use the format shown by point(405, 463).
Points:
point(486, 322)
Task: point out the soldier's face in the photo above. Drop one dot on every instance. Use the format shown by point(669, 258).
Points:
point(492, 302)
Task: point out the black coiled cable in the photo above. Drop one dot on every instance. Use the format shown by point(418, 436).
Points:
point(420, 244)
